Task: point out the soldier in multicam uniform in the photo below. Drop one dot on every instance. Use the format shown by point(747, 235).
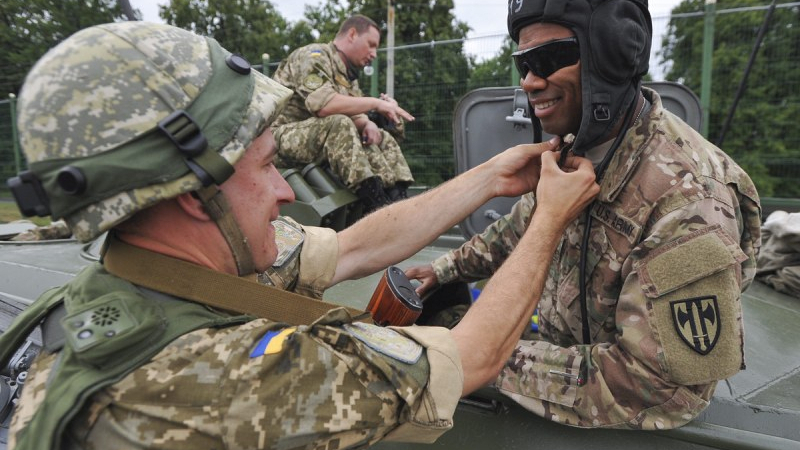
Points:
point(664, 251)
point(326, 117)
point(161, 138)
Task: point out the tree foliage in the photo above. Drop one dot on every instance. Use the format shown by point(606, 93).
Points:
point(495, 71)
point(28, 28)
point(763, 136)
point(248, 27)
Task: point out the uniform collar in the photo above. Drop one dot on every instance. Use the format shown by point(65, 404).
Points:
point(344, 66)
point(628, 155)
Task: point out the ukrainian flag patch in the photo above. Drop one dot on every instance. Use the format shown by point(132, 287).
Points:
point(272, 342)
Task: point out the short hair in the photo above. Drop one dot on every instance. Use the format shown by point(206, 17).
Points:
point(360, 22)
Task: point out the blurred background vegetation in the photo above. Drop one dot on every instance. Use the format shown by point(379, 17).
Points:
point(435, 65)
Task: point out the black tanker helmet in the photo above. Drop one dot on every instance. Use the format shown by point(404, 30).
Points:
point(614, 38)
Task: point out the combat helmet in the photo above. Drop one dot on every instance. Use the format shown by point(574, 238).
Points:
point(121, 116)
point(614, 37)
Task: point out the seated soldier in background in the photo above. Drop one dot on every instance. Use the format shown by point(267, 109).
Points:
point(326, 118)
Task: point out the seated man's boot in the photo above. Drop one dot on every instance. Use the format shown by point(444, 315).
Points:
point(371, 194)
point(398, 192)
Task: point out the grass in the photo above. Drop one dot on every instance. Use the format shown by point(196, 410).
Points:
point(10, 213)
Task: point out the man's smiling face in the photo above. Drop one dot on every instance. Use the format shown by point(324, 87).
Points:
point(556, 100)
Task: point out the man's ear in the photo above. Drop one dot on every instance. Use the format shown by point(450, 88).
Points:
point(352, 34)
point(192, 206)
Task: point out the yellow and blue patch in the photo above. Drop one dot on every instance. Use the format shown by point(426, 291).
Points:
point(316, 53)
point(272, 342)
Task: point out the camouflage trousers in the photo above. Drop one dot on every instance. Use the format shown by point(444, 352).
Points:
point(336, 140)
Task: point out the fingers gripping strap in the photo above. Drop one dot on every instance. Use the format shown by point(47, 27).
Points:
point(217, 207)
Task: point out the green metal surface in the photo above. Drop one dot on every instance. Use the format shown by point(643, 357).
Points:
point(708, 50)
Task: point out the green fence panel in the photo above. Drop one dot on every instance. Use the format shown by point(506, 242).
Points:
point(10, 159)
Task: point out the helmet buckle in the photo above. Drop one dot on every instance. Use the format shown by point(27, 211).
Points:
point(184, 132)
point(601, 112)
point(29, 194)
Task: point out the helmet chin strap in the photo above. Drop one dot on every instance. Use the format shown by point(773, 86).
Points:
point(587, 219)
point(218, 209)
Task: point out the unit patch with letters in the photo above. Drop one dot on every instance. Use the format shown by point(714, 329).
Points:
point(697, 322)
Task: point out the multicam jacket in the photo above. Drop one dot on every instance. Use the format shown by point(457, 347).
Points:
point(674, 241)
point(261, 384)
point(315, 73)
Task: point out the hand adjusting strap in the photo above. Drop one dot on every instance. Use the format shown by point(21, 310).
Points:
point(215, 289)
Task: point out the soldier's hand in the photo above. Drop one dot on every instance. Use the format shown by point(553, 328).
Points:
point(389, 108)
point(386, 98)
point(562, 194)
point(516, 170)
point(425, 275)
point(371, 134)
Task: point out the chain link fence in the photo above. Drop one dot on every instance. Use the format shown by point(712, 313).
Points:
point(10, 161)
point(763, 134)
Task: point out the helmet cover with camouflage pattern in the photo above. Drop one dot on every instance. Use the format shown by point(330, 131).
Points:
point(614, 37)
point(93, 105)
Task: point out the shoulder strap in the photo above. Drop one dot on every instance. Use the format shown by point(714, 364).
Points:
point(218, 290)
point(82, 370)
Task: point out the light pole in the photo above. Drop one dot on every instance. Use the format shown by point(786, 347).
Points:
point(390, 49)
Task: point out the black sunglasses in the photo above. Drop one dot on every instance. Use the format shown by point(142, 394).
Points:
point(545, 59)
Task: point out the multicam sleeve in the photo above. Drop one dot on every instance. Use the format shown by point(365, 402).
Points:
point(482, 255)
point(679, 331)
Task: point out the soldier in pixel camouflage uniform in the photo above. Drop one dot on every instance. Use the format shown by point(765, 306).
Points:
point(672, 238)
point(161, 138)
point(326, 118)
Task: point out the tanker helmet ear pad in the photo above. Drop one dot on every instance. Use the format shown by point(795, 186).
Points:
point(620, 44)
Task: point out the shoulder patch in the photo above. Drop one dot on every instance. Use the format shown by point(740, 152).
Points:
point(272, 342)
point(386, 341)
point(288, 238)
point(697, 322)
point(312, 81)
point(316, 53)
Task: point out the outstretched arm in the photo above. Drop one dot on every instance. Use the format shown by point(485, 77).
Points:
point(397, 231)
point(350, 106)
point(489, 331)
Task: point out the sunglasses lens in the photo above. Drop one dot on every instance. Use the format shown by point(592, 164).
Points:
point(546, 59)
